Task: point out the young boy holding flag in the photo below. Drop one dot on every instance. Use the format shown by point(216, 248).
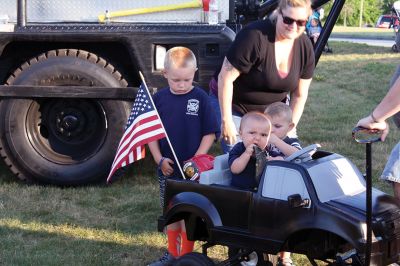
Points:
point(191, 126)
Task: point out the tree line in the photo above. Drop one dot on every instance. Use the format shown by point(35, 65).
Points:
point(370, 11)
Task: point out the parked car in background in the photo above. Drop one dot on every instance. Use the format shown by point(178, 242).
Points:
point(387, 22)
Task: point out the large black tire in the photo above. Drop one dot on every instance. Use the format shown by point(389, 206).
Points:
point(62, 141)
point(193, 259)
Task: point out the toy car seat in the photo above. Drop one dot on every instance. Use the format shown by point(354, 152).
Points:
point(220, 174)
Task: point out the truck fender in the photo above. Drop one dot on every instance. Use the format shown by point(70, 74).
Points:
point(194, 204)
point(350, 235)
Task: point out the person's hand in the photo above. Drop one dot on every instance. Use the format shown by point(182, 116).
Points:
point(167, 167)
point(273, 139)
point(368, 122)
point(250, 149)
point(228, 132)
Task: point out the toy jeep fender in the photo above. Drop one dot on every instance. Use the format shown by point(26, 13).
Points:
point(313, 204)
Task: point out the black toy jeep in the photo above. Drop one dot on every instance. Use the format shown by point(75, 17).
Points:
point(312, 203)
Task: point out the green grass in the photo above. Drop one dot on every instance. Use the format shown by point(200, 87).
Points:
point(116, 224)
point(356, 32)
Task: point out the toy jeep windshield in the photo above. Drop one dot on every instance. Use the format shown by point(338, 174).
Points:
point(313, 203)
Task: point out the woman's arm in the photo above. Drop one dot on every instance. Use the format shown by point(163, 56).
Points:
point(389, 106)
point(298, 99)
point(226, 78)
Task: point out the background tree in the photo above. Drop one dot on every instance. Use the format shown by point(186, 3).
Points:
point(385, 6)
point(350, 15)
point(372, 11)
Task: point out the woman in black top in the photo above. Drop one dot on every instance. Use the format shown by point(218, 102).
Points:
point(268, 60)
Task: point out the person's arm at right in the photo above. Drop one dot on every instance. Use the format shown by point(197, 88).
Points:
point(166, 163)
point(389, 106)
point(226, 77)
point(240, 163)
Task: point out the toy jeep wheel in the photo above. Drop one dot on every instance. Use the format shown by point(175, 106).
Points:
point(194, 259)
point(252, 258)
point(62, 141)
point(394, 48)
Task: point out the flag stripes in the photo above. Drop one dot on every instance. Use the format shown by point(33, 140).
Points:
point(144, 126)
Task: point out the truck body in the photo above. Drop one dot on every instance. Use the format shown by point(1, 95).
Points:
point(69, 79)
point(314, 207)
point(69, 72)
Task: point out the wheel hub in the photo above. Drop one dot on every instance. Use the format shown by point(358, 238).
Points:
point(67, 126)
point(73, 122)
point(70, 123)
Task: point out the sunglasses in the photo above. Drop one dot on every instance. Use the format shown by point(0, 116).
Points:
point(289, 21)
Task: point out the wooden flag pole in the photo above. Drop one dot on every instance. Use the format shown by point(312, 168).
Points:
point(166, 135)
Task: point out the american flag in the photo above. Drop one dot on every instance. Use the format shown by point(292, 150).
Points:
point(144, 126)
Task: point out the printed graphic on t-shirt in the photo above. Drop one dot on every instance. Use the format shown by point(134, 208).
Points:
point(192, 107)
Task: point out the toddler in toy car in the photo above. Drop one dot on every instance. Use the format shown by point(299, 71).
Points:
point(254, 130)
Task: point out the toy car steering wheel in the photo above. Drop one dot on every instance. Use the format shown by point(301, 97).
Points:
point(303, 153)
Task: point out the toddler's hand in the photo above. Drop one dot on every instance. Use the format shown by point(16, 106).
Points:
point(167, 167)
point(250, 149)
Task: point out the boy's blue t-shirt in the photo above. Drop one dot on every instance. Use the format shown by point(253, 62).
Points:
point(245, 179)
point(186, 118)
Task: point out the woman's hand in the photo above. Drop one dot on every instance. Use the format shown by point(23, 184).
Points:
point(228, 131)
point(226, 77)
point(167, 167)
point(368, 122)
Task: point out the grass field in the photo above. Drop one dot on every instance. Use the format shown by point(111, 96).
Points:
point(116, 224)
point(356, 32)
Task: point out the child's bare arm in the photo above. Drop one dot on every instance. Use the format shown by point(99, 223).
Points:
point(154, 148)
point(240, 163)
point(285, 148)
point(205, 144)
point(166, 163)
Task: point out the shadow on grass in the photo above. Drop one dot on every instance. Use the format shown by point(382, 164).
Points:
point(27, 247)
